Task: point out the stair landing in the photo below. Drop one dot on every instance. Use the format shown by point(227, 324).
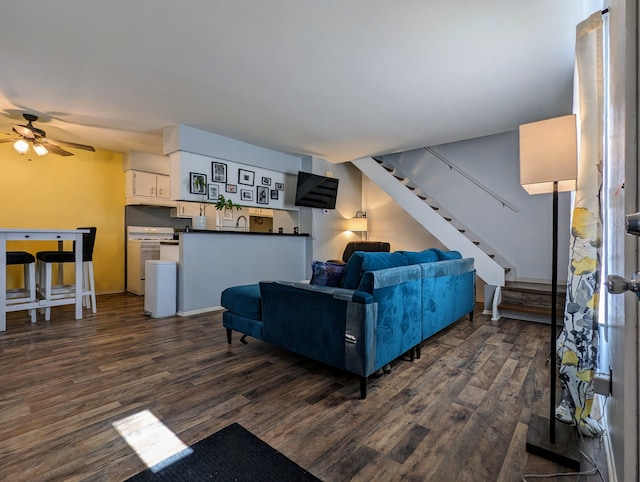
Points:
point(531, 302)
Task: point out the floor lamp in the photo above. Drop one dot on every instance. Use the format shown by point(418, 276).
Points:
point(549, 164)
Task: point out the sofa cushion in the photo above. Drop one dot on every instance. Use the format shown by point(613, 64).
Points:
point(361, 262)
point(427, 256)
point(447, 255)
point(243, 300)
point(326, 274)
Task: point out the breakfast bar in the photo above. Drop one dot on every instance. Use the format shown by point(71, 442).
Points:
point(210, 261)
point(60, 235)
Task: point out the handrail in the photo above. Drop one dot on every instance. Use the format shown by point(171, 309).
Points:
point(452, 166)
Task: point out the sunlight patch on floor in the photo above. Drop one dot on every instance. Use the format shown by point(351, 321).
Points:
point(156, 445)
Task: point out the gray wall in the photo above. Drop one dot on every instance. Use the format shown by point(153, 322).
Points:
point(523, 238)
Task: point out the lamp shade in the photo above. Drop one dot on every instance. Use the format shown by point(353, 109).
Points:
point(549, 153)
point(357, 224)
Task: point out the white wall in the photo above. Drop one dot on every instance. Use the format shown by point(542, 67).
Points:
point(388, 222)
point(184, 163)
point(190, 139)
point(523, 238)
point(328, 235)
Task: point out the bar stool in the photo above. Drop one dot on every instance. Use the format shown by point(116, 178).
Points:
point(27, 294)
point(47, 258)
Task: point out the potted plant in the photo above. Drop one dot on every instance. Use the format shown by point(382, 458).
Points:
point(221, 204)
point(200, 222)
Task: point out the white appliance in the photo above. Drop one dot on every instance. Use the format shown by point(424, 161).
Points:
point(160, 290)
point(143, 244)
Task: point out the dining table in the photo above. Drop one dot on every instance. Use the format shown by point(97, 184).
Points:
point(27, 234)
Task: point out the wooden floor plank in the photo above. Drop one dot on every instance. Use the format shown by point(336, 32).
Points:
point(460, 412)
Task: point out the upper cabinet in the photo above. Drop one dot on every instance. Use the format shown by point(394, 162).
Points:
point(148, 188)
point(147, 180)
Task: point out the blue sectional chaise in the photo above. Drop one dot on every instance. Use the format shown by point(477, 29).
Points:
point(385, 306)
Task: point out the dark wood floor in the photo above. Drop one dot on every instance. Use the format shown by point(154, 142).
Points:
point(460, 413)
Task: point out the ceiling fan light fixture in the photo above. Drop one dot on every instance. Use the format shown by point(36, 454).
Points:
point(21, 146)
point(40, 149)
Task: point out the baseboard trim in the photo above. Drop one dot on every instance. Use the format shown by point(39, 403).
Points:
point(110, 292)
point(200, 311)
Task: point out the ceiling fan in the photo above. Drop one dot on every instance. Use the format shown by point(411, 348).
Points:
point(33, 138)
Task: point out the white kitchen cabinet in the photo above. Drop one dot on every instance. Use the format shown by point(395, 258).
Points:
point(163, 187)
point(185, 209)
point(148, 188)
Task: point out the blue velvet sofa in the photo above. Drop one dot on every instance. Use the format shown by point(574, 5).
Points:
point(385, 305)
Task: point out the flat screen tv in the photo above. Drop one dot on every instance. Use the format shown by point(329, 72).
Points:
point(314, 191)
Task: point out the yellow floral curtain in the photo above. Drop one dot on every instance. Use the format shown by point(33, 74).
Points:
point(578, 341)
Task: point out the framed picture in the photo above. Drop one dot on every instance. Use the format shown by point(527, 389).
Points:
point(219, 172)
point(231, 188)
point(279, 186)
point(266, 181)
point(246, 195)
point(262, 195)
point(246, 177)
point(198, 183)
point(274, 194)
point(212, 193)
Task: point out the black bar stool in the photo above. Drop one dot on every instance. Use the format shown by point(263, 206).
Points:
point(47, 258)
point(27, 294)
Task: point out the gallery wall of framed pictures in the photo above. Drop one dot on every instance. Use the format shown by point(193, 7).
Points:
point(202, 179)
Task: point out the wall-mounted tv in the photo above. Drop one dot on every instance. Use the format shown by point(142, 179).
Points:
point(314, 191)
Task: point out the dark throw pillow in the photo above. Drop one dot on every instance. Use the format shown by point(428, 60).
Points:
point(326, 274)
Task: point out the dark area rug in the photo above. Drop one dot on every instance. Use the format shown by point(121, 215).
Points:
point(232, 454)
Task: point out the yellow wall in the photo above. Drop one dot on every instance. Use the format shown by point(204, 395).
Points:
point(86, 189)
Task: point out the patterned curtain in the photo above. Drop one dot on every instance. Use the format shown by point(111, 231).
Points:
point(578, 342)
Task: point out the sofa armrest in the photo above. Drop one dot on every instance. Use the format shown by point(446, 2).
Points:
point(330, 325)
point(448, 293)
point(397, 293)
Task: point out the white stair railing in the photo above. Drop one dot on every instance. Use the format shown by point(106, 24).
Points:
point(450, 236)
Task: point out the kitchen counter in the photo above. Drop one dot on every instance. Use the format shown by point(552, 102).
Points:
point(253, 233)
point(210, 261)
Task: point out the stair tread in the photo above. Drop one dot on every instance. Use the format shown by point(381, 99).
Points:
point(530, 287)
point(532, 309)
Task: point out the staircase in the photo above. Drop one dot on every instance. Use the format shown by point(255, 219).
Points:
point(530, 302)
point(435, 219)
point(504, 297)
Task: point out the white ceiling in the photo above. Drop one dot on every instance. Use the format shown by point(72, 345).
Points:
point(337, 79)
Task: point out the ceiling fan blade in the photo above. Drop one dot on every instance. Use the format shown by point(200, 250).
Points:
point(24, 131)
point(8, 140)
point(56, 150)
point(56, 142)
